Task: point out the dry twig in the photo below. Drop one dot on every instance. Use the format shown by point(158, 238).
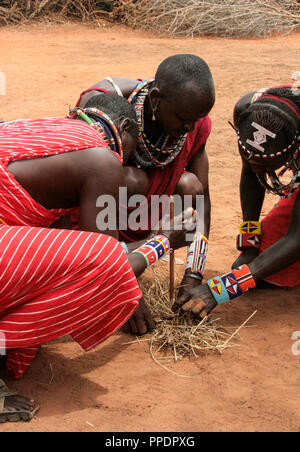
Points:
point(226, 18)
point(183, 335)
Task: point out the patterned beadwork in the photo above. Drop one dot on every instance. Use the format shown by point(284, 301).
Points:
point(103, 124)
point(145, 154)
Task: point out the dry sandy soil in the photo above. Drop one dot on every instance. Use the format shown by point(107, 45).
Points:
point(118, 387)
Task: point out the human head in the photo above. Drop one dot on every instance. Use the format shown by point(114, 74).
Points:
point(122, 114)
point(182, 93)
point(268, 137)
point(269, 130)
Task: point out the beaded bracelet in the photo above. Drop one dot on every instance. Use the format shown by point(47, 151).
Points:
point(249, 236)
point(153, 250)
point(232, 284)
point(196, 257)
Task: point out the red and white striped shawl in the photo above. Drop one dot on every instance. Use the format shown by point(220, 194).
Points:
point(54, 282)
point(58, 282)
point(29, 139)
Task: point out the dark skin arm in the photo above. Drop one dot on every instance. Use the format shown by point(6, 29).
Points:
point(199, 166)
point(281, 255)
point(126, 85)
point(141, 322)
point(252, 195)
point(73, 179)
point(97, 183)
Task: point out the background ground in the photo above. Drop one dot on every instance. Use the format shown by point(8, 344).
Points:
point(118, 387)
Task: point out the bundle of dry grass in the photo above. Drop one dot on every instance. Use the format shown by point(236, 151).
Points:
point(180, 336)
point(12, 11)
point(224, 18)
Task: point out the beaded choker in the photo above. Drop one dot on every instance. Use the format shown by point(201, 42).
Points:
point(147, 154)
point(103, 124)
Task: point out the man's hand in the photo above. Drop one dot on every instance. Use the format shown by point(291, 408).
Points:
point(188, 283)
point(141, 321)
point(198, 301)
point(246, 257)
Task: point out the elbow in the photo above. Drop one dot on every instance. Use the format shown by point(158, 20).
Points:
point(293, 238)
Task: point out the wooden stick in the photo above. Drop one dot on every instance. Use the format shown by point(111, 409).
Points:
point(172, 256)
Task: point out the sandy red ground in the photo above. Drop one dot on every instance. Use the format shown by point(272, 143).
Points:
point(118, 387)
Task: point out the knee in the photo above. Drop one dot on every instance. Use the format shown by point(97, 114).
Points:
point(189, 184)
point(137, 181)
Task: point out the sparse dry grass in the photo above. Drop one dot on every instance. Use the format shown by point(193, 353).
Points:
point(177, 336)
point(224, 18)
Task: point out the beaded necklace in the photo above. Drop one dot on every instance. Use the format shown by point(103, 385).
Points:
point(103, 124)
point(166, 145)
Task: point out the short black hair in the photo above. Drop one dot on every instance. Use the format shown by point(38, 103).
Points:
point(175, 71)
point(116, 107)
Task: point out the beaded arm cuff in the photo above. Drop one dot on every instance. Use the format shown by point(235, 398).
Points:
point(249, 236)
point(232, 284)
point(153, 250)
point(196, 257)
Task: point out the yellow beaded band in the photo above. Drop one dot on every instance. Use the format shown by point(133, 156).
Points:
point(250, 227)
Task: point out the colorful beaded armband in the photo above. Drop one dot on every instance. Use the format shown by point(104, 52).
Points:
point(232, 284)
point(249, 236)
point(196, 257)
point(153, 250)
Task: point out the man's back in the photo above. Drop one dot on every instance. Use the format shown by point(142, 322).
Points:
point(58, 164)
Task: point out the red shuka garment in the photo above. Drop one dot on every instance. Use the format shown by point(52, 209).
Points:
point(29, 139)
point(274, 226)
point(58, 282)
point(54, 282)
point(163, 181)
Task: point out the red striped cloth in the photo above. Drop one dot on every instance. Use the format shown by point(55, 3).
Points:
point(57, 282)
point(274, 226)
point(33, 138)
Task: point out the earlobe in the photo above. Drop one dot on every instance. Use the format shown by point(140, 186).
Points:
point(154, 97)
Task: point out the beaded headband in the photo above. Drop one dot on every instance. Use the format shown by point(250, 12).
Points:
point(103, 124)
point(292, 163)
point(263, 155)
point(260, 137)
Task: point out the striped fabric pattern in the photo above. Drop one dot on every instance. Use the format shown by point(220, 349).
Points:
point(58, 282)
point(33, 138)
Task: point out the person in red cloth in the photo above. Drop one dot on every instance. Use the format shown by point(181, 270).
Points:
point(54, 168)
point(268, 126)
point(172, 111)
point(59, 282)
point(50, 167)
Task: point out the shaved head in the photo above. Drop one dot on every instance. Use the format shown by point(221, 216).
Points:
point(185, 73)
